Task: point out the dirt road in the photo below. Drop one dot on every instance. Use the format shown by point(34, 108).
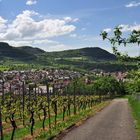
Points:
point(113, 123)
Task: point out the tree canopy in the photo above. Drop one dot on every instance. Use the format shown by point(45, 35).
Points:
point(118, 39)
point(133, 85)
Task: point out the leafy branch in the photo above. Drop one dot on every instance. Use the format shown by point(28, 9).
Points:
point(118, 39)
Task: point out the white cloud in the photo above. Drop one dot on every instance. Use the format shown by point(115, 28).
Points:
point(108, 30)
point(31, 28)
point(2, 20)
point(69, 19)
point(36, 43)
point(31, 2)
point(19, 43)
point(127, 28)
point(75, 19)
point(2, 24)
point(132, 4)
point(73, 35)
point(24, 26)
point(45, 41)
point(59, 47)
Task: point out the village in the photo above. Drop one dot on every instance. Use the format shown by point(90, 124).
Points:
point(13, 81)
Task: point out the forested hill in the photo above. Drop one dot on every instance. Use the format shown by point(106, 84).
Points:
point(92, 53)
point(9, 52)
point(31, 53)
point(31, 50)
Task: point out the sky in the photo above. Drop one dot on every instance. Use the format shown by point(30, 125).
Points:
point(55, 25)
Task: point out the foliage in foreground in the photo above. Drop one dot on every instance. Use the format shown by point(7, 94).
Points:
point(133, 85)
point(119, 39)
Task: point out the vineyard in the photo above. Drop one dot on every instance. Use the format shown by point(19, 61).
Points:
point(27, 113)
point(30, 114)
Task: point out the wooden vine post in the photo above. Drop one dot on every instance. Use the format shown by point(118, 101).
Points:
point(1, 103)
point(74, 96)
point(2, 91)
point(48, 100)
point(1, 126)
point(23, 101)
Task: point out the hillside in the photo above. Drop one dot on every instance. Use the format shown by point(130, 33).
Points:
point(7, 51)
point(31, 53)
point(31, 50)
point(92, 53)
point(85, 58)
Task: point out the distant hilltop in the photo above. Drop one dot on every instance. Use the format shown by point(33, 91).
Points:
point(28, 53)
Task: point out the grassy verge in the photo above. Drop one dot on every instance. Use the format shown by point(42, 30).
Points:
point(135, 106)
point(73, 120)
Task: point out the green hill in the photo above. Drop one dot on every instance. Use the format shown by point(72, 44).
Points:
point(31, 53)
point(31, 50)
point(92, 53)
point(85, 58)
point(7, 51)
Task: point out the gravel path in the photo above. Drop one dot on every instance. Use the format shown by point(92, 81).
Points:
point(113, 123)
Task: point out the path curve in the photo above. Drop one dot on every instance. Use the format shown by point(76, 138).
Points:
point(112, 123)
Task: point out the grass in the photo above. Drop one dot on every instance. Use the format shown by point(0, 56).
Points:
point(135, 106)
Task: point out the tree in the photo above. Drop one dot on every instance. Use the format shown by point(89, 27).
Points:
point(107, 85)
point(118, 39)
point(133, 85)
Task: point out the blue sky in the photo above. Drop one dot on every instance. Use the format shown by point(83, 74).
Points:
point(55, 25)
